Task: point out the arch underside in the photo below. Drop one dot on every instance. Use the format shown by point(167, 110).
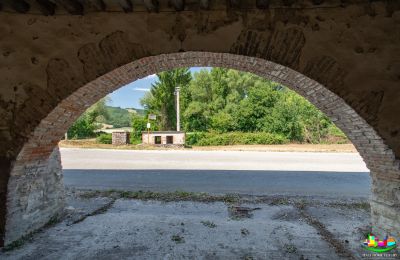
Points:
point(35, 186)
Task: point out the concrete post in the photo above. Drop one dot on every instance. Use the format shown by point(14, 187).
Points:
point(178, 123)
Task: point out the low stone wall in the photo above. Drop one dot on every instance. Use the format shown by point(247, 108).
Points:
point(120, 138)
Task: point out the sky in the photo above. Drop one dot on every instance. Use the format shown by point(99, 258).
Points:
point(129, 95)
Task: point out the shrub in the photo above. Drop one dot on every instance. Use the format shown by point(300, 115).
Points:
point(104, 138)
point(193, 138)
point(82, 128)
point(234, 138)
point(135, 139)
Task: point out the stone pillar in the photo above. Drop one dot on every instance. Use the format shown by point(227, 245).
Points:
point(120, 138)
point(35, 195)
point(385, 206)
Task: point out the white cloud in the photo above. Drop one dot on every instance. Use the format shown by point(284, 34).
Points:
point(141, 89)
point(152, 76)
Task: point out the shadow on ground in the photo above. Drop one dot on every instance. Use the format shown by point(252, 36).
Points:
point(113, 225)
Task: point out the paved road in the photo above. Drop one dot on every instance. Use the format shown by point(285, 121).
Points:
point(258, 173)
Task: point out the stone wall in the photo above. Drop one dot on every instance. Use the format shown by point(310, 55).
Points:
point(338, 54)
point(376, 154)
point(120, 138)
point(36, 195)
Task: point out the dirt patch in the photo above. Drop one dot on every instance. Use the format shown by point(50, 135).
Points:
point(239, 212)
point(91, 143)
point(209, 224)
point(287, 215)
point(178, 239)
point(160, 196)
point(348, 148)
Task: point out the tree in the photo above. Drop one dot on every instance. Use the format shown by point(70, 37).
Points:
point(285, 118)
point(222, 122)
point(85, 125)
point(161, 100)
point(82, 128)
point(139, 124)
point(224, 100)
point(98, 112)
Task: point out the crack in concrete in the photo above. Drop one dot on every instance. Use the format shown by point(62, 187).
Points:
point(339, 247)
point(98, 211)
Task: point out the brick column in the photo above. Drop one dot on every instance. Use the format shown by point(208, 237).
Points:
point(35, 195)
point(385, 205)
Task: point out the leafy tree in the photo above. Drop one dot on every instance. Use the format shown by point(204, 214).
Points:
point(139, 124)
point(194, 117)
point(224, 100)
point(98, 112)
point(161, 100)
point(222, 122)
point(89, 121)
point(82, 128)
point(285, 118)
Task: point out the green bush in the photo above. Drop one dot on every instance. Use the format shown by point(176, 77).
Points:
point(135, 139)
point(193, 138)
point(82, 128)
point(104, 138)
point(234, 138)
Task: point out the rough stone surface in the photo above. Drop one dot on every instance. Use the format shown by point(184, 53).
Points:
point(120, 138)
point(35, 197)
point(340, 55)
point(133, 229)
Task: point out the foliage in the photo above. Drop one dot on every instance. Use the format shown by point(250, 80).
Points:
point(234, 138)
point(82, 128)
point(118, 117)
point(161, 100)
point(214, 103)
point(138, 125)
point(194, 138)
point(224, 100)
point(135, 139)
point(104, 138)
point(85, 125)
point(98, 112)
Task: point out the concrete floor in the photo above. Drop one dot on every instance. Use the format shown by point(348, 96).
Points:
point(135, 229)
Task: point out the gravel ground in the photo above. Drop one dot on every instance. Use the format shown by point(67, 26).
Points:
point(254, 228)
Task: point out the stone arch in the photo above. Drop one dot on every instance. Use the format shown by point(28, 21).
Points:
point(35, 186)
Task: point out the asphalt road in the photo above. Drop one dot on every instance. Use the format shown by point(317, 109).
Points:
point(257, 173)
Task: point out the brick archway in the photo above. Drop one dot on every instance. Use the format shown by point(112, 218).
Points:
point(35, 191)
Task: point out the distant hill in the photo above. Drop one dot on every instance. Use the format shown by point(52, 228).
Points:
point(139, 111)
point(121, 117)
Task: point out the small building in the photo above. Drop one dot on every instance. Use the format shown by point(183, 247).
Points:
point(164, 138)
point(120, 138)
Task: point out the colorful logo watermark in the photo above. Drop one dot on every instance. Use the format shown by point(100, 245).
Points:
point(372, 243)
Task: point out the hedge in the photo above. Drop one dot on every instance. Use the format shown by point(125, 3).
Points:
point(233, 138)
point(104, 138)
